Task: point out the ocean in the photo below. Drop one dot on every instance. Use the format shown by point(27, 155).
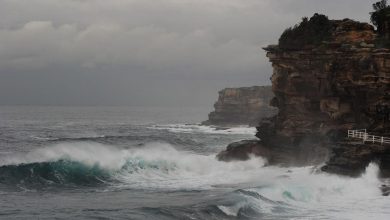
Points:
point(158, 163)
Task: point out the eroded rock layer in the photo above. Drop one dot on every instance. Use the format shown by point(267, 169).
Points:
point(242, 106)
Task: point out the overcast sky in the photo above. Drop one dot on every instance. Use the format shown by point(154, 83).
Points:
point(144, 52)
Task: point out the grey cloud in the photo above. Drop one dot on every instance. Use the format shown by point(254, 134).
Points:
point(143, 52)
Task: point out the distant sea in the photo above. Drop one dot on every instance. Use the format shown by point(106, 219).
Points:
point(158, 163)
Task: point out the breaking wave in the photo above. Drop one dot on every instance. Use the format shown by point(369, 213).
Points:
point(153, 166)
point(249, 189)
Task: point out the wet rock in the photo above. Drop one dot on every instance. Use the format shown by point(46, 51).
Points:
point(242, 150)
point(385, 190)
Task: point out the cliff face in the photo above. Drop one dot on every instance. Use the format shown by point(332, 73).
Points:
point(323, 90)
point(242, 106)
point(331, 87)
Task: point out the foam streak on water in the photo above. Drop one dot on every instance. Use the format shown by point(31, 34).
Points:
point(191, 128)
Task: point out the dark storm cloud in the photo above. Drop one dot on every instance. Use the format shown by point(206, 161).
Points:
point(143, 52)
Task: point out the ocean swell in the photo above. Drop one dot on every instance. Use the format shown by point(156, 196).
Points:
point(154, 166)
point(61, 172)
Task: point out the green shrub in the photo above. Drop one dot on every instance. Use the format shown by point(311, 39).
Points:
point(309, 32)
point(380, 17)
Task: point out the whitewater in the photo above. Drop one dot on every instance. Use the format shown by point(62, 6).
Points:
point(128, 163)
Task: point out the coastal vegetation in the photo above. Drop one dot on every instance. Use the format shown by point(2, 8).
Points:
point(380, 18)
point(313, 31)
point(308, 32)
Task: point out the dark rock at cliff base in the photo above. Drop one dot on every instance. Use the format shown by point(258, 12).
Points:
point(242, 150)
point(242, 106)
point(321, 91)
point(385, 190)
point(351, 158)
point(284, 155)
point(350, 161)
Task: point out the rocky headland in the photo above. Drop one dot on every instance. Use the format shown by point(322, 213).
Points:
point(242, 106)
point(337, 80)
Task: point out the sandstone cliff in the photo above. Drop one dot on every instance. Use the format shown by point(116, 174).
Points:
point(242, 106)
point(321, 91)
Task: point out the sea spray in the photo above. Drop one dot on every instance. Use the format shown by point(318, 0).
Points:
point(301, 193)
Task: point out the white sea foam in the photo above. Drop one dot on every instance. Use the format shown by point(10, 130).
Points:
point(306, 194)
point(164, 167)
point(194, 128)
point(156, 165)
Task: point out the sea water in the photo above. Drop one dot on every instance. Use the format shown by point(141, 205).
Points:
point(158, 163)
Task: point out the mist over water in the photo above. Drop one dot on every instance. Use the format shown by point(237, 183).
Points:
point(86, 167)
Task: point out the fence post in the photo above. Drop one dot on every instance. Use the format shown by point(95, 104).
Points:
point(382, 140)
point(364, 137)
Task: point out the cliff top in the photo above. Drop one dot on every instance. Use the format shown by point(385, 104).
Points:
point(319, 30)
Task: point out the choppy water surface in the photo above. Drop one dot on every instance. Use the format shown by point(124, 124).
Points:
point(157, 163)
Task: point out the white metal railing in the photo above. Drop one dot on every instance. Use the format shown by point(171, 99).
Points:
point(362, 134)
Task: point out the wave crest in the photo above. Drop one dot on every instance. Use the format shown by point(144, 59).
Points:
point(63, 172)
point(153, 166)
